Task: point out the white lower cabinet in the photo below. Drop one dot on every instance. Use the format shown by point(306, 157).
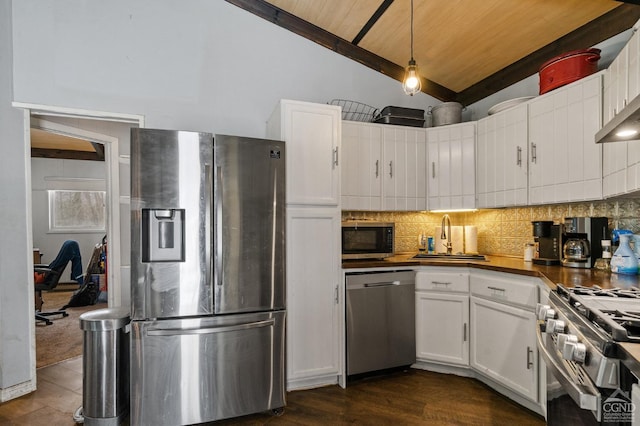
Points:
point(442, 327)
point(482, 324)
point(503, 345)
point(442, 316)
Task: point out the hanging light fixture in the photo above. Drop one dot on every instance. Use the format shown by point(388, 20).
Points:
point(411, 83)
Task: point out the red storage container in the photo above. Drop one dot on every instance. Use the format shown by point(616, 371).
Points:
point(567, 68)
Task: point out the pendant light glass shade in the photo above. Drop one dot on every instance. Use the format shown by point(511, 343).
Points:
point(411, 83)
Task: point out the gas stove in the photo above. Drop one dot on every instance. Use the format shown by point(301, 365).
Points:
point(579, 332)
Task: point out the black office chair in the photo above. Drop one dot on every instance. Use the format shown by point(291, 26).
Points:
point(51, 278)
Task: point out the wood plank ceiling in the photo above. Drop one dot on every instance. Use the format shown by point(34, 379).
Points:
point(46, 144)
point(466, 50)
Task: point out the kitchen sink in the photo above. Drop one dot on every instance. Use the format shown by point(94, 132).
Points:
point(442, 256)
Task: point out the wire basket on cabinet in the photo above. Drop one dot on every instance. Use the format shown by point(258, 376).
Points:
point(355, 111)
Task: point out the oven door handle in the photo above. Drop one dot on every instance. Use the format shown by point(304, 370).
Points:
point(586, 396)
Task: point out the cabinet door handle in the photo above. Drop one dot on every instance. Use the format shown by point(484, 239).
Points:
point(377, 168)
point(464, 332)
point(444, 283)
point(496, 289)
point(433, 169)
point(390, 169)
point(519, 157)
point(529, 358)
point(336, 295)
point(335, 157)
point(534, 158)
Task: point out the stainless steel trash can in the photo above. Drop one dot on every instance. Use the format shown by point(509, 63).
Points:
point(105, 366)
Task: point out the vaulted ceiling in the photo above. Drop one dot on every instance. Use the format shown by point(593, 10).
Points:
point(466, 50)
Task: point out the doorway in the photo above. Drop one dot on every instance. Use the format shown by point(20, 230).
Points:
point(111, 132)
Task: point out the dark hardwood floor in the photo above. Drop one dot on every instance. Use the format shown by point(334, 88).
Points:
point(414, 397)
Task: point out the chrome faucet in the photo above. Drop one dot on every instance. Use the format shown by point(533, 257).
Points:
point(446, 234)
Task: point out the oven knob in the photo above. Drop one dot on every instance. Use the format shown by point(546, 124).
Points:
point(573, 351)
point(564, 339)
point(539, 311)
point(545, 313)
point(554, 326)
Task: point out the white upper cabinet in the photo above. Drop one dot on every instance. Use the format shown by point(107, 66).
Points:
point(622, 80)
point(502, 158)
point(565, 163)
point(404, 169)
point(312, 135)
point(451, 166)
point(621, 160)
point(361, 166)
point(383, 167)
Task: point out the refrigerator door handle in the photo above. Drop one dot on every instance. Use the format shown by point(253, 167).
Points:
point(219, 278)
point(208, 199)
point(210, 330)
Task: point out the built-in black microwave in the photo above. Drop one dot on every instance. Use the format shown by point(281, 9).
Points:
point(367, 239)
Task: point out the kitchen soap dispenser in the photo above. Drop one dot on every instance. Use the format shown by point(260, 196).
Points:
point(624, 260)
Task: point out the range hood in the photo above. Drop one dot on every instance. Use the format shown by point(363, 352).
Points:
point(626, 121)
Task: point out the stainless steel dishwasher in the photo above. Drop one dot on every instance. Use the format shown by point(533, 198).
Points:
point(381, 325)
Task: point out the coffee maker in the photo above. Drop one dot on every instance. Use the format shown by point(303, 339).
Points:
point(581, 240)
point(548, 242)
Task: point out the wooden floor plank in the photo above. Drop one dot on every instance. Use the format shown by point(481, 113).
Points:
point(414, 397)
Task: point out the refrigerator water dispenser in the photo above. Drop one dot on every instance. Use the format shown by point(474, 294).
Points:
point(163, 235)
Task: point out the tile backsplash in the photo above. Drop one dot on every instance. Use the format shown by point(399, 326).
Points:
point(503, 231)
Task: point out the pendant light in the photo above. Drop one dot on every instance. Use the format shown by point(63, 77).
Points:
point(411, 83)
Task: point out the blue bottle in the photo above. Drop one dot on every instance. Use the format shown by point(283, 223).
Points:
point(624, 260)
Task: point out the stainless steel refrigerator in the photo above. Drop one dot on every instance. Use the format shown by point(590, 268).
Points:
point(207, 276)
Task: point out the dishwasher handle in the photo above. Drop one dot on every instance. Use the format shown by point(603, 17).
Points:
point(382, 284)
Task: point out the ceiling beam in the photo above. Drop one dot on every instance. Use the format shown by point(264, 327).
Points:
point(64, 154)
point(99, 148)
point(339, 45)
point(608, 25)
point(372, 21)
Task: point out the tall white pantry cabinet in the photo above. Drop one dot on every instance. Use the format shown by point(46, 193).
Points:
point(312, 135)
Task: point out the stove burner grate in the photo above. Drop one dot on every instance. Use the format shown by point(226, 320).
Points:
point(607, 310)
point(630, 292)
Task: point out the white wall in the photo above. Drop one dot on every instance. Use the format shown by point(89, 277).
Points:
point(17, 354)
point(198, 65)
point(45, 172)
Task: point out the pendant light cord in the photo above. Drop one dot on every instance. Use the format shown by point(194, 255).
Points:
point(412, 30)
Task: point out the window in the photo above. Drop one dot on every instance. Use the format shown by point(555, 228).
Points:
point(77, 211)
